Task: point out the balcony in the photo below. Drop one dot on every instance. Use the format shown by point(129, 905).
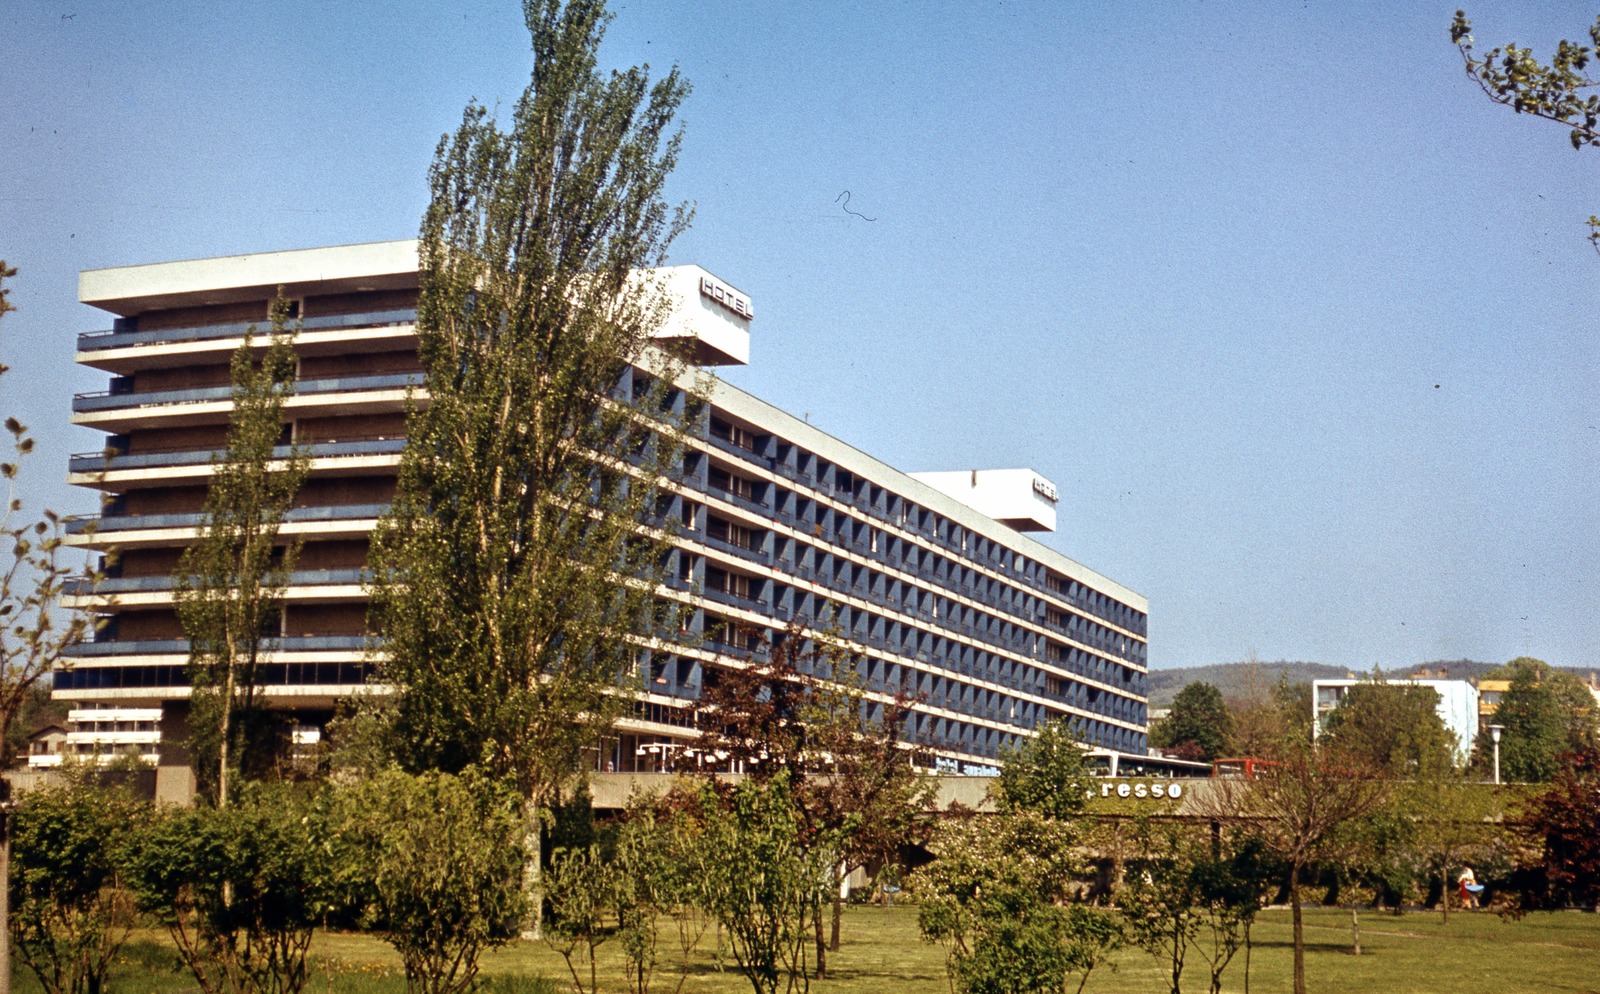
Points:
point(180, 647)
point(94, 468)
point(144, 522)
point(105, 400)
point(80, 587)
point(98, 341)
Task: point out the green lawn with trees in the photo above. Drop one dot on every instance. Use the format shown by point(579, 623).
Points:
point(1475, 953)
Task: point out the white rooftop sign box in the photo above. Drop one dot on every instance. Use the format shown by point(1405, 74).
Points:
point(706, 311)
point(1020, 498)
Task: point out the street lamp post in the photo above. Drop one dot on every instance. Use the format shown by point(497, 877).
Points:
point(1494, 733)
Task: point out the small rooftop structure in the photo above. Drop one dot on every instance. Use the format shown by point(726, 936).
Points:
point(1019, 498)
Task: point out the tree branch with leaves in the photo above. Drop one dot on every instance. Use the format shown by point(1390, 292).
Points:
point(1558, 92)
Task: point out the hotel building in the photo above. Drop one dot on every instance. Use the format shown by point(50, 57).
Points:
point(930, 580)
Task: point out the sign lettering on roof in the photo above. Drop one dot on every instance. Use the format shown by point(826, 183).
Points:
point(1045, 489)
point(721, 293)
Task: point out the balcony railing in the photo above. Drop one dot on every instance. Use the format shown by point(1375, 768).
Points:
point(95, 341)
point(165, 581)
point(105, 400)
point(98, 462)
point(142, 522)
point(168, 647)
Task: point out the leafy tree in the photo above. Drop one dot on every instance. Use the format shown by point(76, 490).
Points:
point(1188, 895)
point(666, 870)
point(1391, 727)
point(230, 581)
point(816, 725)
point(765, 884)
point(1454, 823)
point(1557, 92)
point(433, 862)
point(1160, 900)
point(1264, 721)
point(239, 889)
point(1045, 774)
point(1545, 712)
point(35, 630)
point(992, 896)
point(512, 580)
point(1303, 807)
point(1566, 816)
point(1199, 718)
point(582, 888)
point(70, 915)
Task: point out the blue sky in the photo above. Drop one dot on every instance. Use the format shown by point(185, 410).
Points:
point(1303, 327)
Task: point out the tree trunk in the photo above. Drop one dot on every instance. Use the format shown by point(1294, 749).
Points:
point(1355, 932)
point(5, 887)
point(822, 946)
point(1444, 892)
point(838, 917)
point(1247, 947)
point(1299, 929)
point(533, 872)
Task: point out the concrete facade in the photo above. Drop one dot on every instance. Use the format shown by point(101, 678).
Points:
point(934, 589)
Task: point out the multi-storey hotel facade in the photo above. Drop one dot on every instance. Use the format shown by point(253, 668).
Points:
point(929, 580)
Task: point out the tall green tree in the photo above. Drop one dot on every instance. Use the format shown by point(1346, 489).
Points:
point(230, 581)
point(994, 895)
point(1045, 774)
point(35, 630)
point(513, 582)
point(1392, 727)
point(1561, 92)
point(1544, 713)
point(1199, 723)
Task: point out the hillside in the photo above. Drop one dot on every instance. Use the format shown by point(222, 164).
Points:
point(1234, 679)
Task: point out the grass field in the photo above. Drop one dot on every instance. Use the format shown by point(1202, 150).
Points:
point(882, 954)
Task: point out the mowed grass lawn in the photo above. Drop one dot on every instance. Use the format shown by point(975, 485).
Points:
point(882, 954)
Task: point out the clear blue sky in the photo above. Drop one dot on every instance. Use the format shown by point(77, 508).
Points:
point(1303, 327)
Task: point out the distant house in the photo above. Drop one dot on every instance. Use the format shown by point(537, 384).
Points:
point(45, 745)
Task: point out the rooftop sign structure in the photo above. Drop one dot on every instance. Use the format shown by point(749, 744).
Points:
point(1020, 498)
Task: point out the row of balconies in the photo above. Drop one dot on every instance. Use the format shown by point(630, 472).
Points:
point(1029, 576)
point(860, 494)
point(345, 584)
point(324, 451)
point(967, 583)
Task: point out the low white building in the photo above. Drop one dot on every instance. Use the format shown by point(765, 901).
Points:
point(104, 735)
point(1457, 707)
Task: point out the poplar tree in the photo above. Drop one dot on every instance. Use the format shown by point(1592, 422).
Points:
point(230, 582)
point(515, 574)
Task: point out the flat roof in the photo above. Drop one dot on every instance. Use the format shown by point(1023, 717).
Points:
point(226, 279)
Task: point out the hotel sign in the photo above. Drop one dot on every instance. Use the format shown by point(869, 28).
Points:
point(1045, 489)
point(725, 295)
